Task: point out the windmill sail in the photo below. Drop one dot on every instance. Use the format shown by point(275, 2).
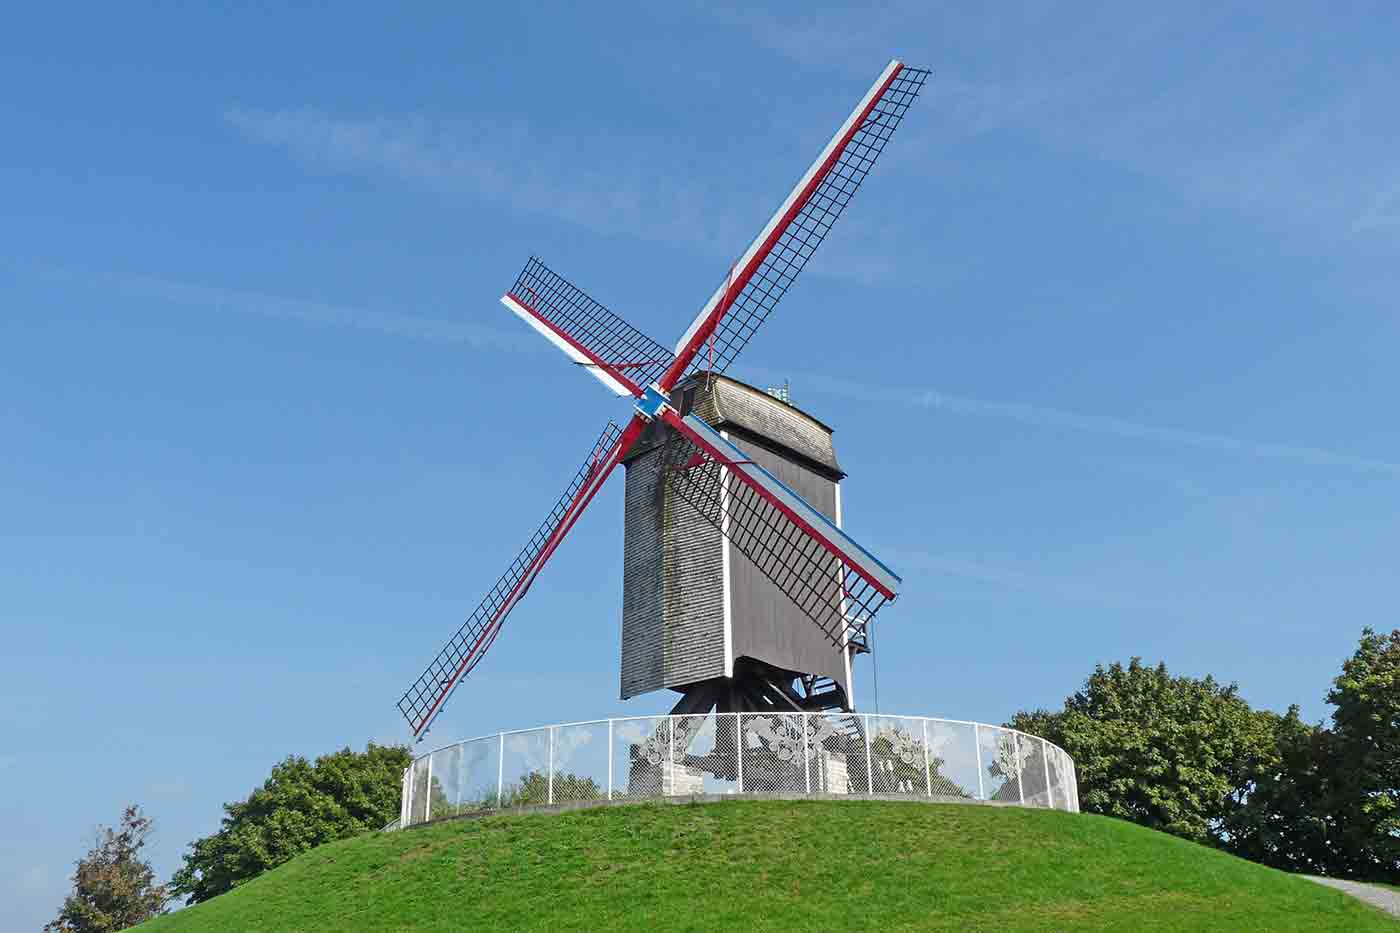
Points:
point(768, 267)
point(422, 702)
point(834, 581)
point(620, 356)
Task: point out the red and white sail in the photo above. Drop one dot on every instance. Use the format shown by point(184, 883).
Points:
point(621, 357)
point(817, 565)
point(423, 701)
point(765, 271)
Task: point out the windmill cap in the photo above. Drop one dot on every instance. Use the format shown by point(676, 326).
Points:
point(726, 403)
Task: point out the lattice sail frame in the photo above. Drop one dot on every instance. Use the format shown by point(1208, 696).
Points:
point(777, 256)
point(589, 333)
point(835, 595)
point(422, 701)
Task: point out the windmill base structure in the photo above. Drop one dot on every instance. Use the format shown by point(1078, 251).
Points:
point(742, 591)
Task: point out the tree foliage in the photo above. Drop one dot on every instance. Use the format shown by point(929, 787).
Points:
point(1190, 757)
point(301, 805)
point(1166, 752)
point(1332, 804)
point(113, 887)
point(1278, 817)
point(1365, 747)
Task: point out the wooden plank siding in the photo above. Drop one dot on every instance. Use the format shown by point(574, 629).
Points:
point(673, 593)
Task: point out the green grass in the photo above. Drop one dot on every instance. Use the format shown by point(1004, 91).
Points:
point(781, 866)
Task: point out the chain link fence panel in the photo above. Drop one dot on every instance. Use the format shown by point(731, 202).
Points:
point(580, 762)
point(707, 753)
point(953, 761)
point(525, 768)
point(641, 756)
point(1034, 774)
point(443, 794)
point(900, 756)
point(1001, 764)
point(418, 791)
point(479, 775)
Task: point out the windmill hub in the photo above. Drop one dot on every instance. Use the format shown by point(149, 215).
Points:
point(652, 402)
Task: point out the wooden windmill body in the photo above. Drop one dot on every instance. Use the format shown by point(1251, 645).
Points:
point(698, 615)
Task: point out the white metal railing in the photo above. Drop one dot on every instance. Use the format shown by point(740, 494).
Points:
point(647, 757)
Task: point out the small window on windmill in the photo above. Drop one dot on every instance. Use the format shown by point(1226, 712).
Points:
point(687, 401)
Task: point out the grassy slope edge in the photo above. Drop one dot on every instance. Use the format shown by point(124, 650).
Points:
point(777, 865)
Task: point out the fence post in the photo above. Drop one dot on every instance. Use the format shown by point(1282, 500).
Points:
point(869, 760)
point(428, 802)
point(928, 768)
point(610, 758)
point(739, 749)
point(405, 793)
point(501, 771)
point(1045, 760)
point(461, 779)
point(977, 756)
point(671, 756)
point(551, 764)
point(806, 759)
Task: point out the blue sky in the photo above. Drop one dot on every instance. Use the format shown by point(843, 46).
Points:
point(1108, 340)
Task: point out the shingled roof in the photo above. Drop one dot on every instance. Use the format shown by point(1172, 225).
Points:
point(729, 404)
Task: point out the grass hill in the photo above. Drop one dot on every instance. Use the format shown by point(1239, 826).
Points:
point(777, 865)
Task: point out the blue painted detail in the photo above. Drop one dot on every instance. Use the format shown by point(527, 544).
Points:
point(738, 454)
point(828, 523)
point(652, 402)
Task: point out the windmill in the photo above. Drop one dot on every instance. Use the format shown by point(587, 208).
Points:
point(829, 587)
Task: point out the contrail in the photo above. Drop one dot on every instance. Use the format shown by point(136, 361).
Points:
point(316, 312)
point(1068, 589)
point(490, 338)
point(927, 398)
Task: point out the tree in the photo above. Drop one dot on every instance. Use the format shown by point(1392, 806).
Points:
point(1330, 804)
point(1166, 752)
point(1190, 757)
point(300, 806)
point(1365, 750)
point(113, 887)
point(1279, 816)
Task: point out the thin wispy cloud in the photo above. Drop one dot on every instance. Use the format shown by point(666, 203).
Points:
point(507, 167)
point(631, 193)
point(1006, 578)
point(1170, 94)
point(263, 304)
point(480, 337)
point(929, 399)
